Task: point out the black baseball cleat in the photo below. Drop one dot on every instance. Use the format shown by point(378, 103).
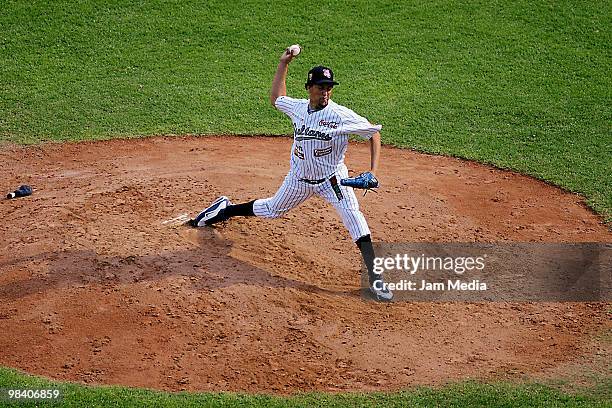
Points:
point(380, 292)
point(213, 214)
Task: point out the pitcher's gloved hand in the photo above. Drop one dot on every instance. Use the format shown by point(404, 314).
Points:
point(365, 181)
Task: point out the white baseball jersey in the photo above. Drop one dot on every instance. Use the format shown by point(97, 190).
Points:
point(320, 140)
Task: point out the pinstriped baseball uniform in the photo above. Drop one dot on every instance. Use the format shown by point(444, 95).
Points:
point(320, 140)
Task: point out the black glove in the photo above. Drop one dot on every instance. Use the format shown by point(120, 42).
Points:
point(22, 191)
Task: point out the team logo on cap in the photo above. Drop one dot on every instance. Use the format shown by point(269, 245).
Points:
point(327, 73)
point(310, 76)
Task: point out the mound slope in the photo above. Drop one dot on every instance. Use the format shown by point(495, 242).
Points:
point(96, 288)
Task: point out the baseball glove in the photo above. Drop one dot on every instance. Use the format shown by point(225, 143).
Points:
point(365, 181)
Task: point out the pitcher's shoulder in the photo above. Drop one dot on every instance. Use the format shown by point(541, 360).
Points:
point(343, 111)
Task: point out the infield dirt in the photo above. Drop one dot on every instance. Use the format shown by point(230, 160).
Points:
point(94, 287)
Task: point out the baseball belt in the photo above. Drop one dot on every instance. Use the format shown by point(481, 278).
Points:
point(319, 181)
point(333, 180)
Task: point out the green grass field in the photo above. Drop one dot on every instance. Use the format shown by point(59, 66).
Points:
point(522, 85)
point(466, 394)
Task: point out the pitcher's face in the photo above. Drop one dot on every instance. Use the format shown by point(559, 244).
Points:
point(320, 95)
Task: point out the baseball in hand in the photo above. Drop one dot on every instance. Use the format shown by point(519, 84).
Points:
point(295, 49)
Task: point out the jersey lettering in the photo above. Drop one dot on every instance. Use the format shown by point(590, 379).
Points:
point(329, 124)
point(322, 152)
point(309, 134)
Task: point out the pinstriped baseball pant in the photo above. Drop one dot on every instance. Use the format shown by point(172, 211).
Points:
point(294, 192)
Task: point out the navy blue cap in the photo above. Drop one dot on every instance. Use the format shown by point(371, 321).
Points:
point(320, 75)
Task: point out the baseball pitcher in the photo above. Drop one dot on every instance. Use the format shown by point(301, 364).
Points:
point(321, 130)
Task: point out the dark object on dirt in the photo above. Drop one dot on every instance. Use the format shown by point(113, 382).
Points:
point(22, 191)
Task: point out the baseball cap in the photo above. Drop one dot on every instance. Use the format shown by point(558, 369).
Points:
point(320, 75)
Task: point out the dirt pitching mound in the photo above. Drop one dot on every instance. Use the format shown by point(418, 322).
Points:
point(96, 286)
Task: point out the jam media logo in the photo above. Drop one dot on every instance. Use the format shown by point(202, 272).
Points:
point(329, 124)
point(490, 272)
